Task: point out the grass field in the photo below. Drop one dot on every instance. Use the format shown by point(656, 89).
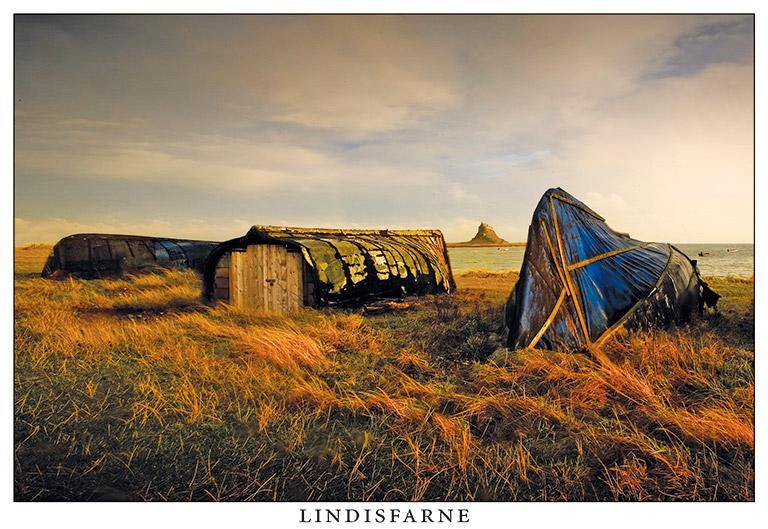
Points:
point(132, 389)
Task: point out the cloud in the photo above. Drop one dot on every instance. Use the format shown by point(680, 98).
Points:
point(730, 39)
point(322, 72)
point(368, 121)
point(679, 150)
point(461, 195)
point(50, 230)
point(351, 76)
point(209, 162)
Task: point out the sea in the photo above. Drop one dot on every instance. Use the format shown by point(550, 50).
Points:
point(718, 260)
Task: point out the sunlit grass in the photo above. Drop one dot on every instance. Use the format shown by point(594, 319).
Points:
point(134, 389)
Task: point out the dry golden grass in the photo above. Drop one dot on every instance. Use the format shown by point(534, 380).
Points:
point(29, 259)
point(133, 389)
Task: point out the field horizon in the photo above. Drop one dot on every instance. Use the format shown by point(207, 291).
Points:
point(448, 243)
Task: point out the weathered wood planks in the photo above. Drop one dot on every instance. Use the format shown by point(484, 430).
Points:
point(265, 277)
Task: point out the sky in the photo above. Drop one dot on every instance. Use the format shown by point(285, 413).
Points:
point(201, 126)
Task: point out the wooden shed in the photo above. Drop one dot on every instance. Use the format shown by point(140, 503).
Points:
point(280, 269)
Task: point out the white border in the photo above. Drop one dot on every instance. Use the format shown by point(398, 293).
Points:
point(591, 515)
point(389, 6)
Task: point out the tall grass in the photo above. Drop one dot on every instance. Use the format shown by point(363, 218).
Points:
point(131, 389)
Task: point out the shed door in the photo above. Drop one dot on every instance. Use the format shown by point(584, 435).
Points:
point(266, 277)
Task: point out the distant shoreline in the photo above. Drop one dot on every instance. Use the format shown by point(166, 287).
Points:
point(483, 244)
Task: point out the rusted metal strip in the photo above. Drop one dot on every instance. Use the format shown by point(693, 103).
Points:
point(554, 254)
point(582, 207)
point(335, 231)
point(550, 319)
point(605, 255)
point(573, 291)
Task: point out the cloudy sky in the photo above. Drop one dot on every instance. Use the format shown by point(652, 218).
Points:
point(202, 126)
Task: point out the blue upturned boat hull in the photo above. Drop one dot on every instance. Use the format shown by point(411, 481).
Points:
point(581, 281)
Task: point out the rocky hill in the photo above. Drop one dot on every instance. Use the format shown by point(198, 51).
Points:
point(485, 236)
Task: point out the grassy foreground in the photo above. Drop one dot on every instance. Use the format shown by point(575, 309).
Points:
point(133, 390)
